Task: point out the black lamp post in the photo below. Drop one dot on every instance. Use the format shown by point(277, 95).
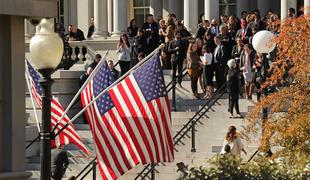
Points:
point(46, 50)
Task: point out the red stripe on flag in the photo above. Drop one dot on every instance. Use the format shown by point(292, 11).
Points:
point(108, 145)
point(129, 128)
point(137, 121)
point(137, 99)
point(124, 137)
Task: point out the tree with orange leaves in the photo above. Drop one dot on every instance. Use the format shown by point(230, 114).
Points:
point(287, 129)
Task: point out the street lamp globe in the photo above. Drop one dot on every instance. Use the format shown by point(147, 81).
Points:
point(46, 47)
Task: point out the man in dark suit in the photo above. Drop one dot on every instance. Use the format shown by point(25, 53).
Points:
point(177, 49)
point(244, 33)
point(150, 32)
point(220, 61)
point(59, 162)
point(203, 29)
point(76, 34)
point(113, 70)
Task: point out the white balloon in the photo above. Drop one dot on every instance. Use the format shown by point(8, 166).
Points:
point(263, 41)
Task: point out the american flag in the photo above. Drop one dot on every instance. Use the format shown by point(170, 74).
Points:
point(130, 123)
point(69, 134)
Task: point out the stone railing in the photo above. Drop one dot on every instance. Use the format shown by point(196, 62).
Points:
point(76, 52)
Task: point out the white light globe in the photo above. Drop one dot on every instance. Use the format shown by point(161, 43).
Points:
point(263, 41)
point(46, 47)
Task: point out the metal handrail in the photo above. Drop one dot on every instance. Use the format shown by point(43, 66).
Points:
point(177, 138)
point(182, 74)
point(84, 169)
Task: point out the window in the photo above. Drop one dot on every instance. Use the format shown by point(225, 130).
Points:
point(228, 7)
point(140, 9)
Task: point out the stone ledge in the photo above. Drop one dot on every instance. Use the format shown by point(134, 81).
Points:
point(15, 175)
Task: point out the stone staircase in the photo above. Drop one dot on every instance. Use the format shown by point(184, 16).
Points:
point(209, 135)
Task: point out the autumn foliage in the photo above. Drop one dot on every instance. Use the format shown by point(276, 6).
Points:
point(287, 129)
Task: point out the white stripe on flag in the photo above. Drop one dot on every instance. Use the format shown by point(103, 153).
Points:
point(132, 124)
point(148, 112)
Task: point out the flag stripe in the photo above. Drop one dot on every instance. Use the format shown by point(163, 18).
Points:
point(133, 133)
point(107, 149)
point(141, 131)
point(113, 144)
point(69, 134)
point(122, 147)
point(147, 114)
point(125, 136)
point(143, 119)
point(130, 124)
point(160, 127)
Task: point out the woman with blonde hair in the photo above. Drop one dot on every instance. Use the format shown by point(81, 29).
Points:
point(193, 68)
point(233, 140)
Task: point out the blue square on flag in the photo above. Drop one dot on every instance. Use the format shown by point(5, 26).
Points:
point(150, 79)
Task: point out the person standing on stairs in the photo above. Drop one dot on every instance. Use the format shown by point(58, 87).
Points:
point(234, 141)
point(177, 49)
point(247, 60)
point(233, 87)
point(59, 162)
point(208, 70)
point(193, 68)
point(124, 50)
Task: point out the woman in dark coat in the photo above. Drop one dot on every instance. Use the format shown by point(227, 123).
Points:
point(233, 87)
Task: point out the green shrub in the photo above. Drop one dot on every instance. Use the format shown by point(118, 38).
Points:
point(230, 168)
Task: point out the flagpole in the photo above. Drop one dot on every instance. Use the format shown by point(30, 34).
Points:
point(31, 97)
point(113, 84)
point(90, 77)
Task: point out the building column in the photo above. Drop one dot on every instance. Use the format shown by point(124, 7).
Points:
point(156, 8)
point(85, 11)
point(306, 6)
point(30, 30)
point(263, 6)
point(110, 16)
point(191, 15)
point(174, 7)
point(119, 17)
point(100, 19)
point(285, 5)
point(165, 9)
point(12, 98)
point(211, 9)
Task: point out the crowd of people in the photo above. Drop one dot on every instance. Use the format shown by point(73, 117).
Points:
point(206, 53)
point(219, 49)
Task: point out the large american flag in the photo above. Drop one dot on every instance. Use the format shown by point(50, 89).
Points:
point(69, 134)
point(131, 123)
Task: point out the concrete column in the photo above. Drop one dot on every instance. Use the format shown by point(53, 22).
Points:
point(285, 5)
point(30, 30)
point(119, 17)
point(307, 6)
point(191, 15)
point(175, 7)
point(12, 98)
point(263, 6)
point(211, 9)
point(85, 11)
point(165, 9)
point(156, 8)
point(101, 19)
point(110, 16)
